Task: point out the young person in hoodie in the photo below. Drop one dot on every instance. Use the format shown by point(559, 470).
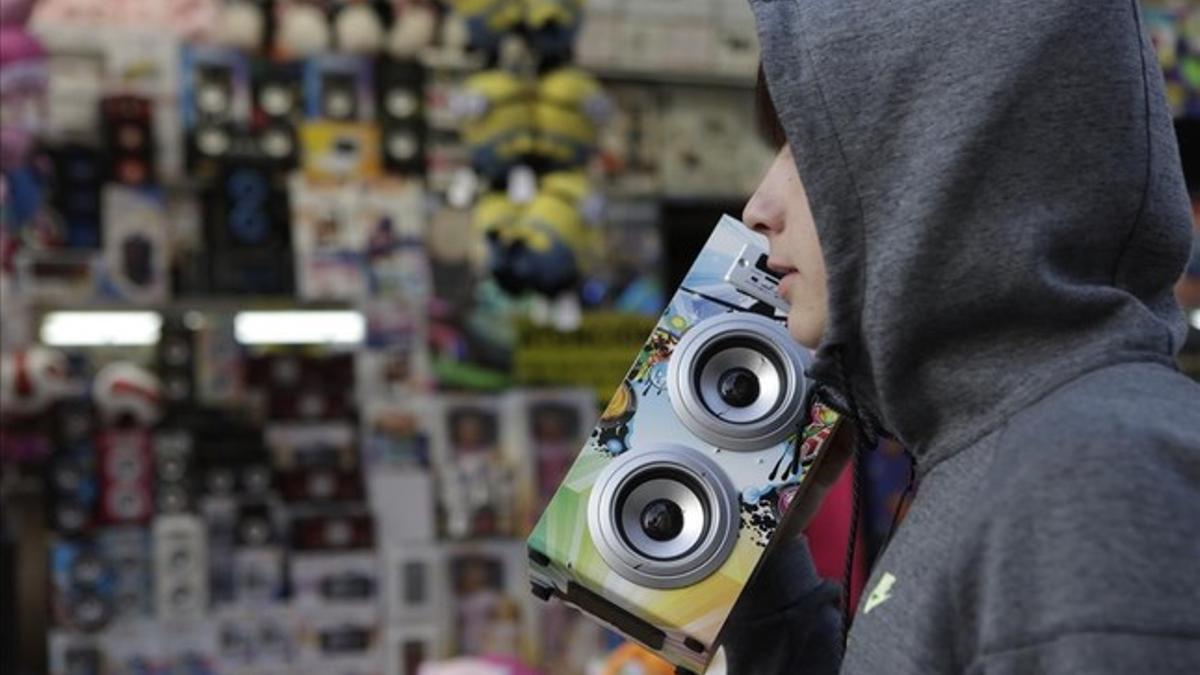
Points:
point(980, 211)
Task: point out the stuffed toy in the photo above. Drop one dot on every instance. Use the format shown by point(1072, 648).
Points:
point(570, 107)
point(497, 117)
point(240, 24)
point(127, 395)
point(358, 29)
point(31, 380)
point(303, 30)
point(413, 30)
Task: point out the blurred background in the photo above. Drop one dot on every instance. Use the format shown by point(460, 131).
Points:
point(308, 305)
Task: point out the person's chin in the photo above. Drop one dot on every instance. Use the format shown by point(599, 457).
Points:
point(803, 329)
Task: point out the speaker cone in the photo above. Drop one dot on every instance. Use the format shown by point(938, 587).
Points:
point(737, 381)
point(277, 143)
point(401, 103)
point(90, 611)
point(213, 141)
point(276, 99)
point(402, 145)
point(171, 469)
point(172, 499)
point(664, 516)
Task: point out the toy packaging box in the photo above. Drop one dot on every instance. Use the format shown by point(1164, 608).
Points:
point(676, 431)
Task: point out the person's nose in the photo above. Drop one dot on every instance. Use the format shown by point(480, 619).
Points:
point(762, 215)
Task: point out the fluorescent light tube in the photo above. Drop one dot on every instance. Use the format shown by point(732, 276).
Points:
point(100, 329)
point(314, 327)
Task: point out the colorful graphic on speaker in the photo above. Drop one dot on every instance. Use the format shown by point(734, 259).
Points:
point(674, 499)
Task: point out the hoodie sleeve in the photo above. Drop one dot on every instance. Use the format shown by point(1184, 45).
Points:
point(1084, 555)
point(1094, 652)
point(788, 621)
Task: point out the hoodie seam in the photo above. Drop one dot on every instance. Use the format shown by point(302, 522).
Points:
point(826, 111)
point(1147, 180)
point(1140, 214)
point(1041, 394)
point(965, 654)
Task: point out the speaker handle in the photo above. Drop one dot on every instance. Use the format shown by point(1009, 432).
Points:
point(831, 461)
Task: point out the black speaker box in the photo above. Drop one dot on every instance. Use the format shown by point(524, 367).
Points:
point(400, 105)
point(175, 361)
point(278, 105)
point(128, 123)
point(247, 231)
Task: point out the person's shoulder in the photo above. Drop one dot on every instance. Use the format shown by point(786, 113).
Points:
point(1114, 455)
point(1086, 518)
point(1135, 416)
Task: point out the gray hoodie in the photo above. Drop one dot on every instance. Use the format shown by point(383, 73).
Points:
point(999, 201)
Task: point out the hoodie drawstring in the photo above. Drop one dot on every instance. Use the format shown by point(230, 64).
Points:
point(867, 433)
point(864, 441)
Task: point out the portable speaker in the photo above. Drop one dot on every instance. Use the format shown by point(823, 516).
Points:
point(304, 387)
point(73, 478)
point(126, 477)
point(126, 551)
point(175, 361)
point(258, 576)
point(279, 142)
point(692, 468)
point(73, 486)
point(247, 230)
point(173, 472)
point(255, 525)
point(277, 110)
point(337, 88)
point(338, 101)
point(76, 421)
point(214, 94)
point(129, 137)
point(215, 104)
point(82, 584)
point(277, 91)
point(248, 209)
point(180, 567)
point(400, 93)
point(211, 141)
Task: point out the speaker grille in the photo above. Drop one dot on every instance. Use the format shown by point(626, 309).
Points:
point(663, 516)
point(737, 381)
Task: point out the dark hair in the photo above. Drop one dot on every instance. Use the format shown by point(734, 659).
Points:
point(765, 114)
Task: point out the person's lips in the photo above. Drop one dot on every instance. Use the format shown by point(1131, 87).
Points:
point(786, 274)
point(785, 284)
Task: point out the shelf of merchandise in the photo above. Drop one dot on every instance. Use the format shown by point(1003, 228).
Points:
point(451, 61)
point(673, 78)
point(205, 304)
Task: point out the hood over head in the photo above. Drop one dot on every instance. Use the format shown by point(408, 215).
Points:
point(998, 196)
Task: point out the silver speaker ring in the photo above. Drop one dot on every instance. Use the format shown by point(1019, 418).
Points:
point(723, 338)
point(704, 547)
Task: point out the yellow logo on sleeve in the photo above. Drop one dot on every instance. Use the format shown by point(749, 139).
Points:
point(881, 593)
